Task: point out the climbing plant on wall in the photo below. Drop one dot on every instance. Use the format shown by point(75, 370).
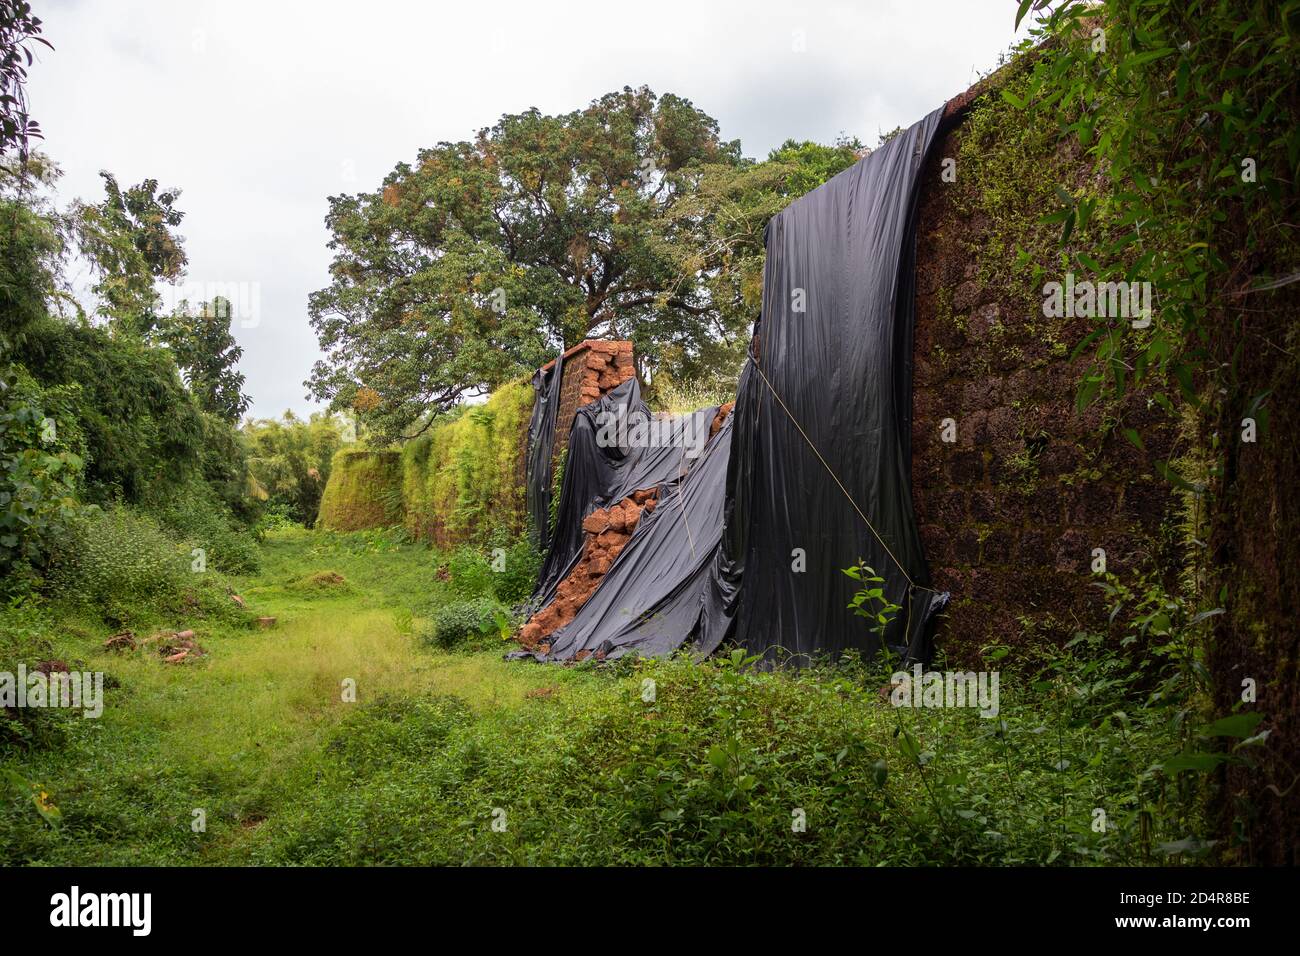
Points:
point(1186, 111)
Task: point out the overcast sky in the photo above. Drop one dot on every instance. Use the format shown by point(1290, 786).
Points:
point(259, 111)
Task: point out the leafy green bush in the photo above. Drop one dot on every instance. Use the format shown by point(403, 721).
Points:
point(195, 515)
point(143, 430)
point(467, 622)
point(116, 555)
point(471, 572)
point(24, 630)
point(125, 565)
point(514, 583)
point(39, 474)
point(507, 570)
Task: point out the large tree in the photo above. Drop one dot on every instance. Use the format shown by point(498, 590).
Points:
point(484, 258)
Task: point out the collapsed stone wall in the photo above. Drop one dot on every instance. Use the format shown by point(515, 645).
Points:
point(606, 532)
point(1015, 509)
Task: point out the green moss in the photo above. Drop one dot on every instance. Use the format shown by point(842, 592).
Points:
point(1010, 170)
point(364, 491)
point(463, 479)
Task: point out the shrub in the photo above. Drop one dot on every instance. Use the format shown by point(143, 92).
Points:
point(467, 622)
point(143, 430)
point(124, 564)
point(118, 554)
point(471, 573)
point(24, 630)
point(40, 469)
point(195, 515)
point(507, 570)
point(514, 584)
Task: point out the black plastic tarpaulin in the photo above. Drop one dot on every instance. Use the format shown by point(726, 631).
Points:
point(809, 475)
point(660, 591)
point(821, 447)
point(616, 446)
point(541, 444)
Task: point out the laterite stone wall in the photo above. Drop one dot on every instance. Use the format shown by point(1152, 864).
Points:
point(1010, 512)
point(364, 491)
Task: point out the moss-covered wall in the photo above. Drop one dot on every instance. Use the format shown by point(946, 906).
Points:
point(1255, 567)
point(1011, 511)
point(463, 480)
point(364, 491)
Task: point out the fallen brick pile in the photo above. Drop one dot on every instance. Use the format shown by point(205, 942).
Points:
point(178, 646)
point(606, 532)
point(173, 647)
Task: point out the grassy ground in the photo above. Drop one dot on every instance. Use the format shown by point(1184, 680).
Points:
point(222, 733)
point(452, 757)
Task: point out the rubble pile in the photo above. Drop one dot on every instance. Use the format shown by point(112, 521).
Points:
point(605, 533)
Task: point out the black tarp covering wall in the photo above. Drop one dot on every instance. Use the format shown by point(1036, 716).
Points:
point(834, 344)
point(541, 444)
point(660, 590)
point(751, 542)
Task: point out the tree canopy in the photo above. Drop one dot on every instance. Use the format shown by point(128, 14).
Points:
point(207, 356)
point(630, 218)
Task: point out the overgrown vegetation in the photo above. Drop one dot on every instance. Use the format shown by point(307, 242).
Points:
point(463, 479)
point(631, 763)
point(366, 490)
point(348, 703)
point(289, 463)
point(1186, 112)
point(1184, 115)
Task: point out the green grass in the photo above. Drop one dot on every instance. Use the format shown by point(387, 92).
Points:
point(579, 766)
point(220, 734)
